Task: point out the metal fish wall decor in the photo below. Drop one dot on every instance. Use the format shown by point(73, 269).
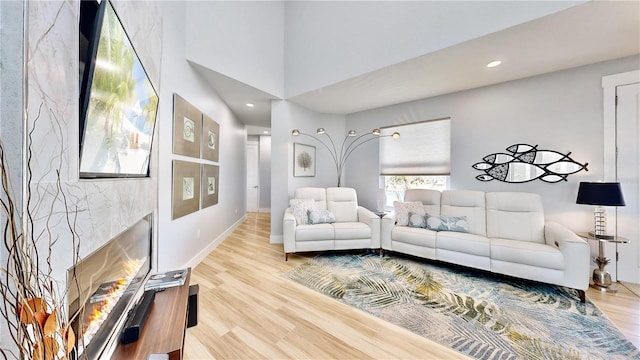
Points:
point(525, 163)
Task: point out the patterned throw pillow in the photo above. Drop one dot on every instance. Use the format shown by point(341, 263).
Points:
point(448, 223)
point(417, 220)
point(402, 210)
point(300, 208)
point(321, 217)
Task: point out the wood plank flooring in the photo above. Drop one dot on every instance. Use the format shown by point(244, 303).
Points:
point(248, 311)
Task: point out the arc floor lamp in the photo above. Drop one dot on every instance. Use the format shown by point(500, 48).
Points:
point(347, 147)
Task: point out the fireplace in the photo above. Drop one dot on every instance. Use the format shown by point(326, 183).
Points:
point(105, 285)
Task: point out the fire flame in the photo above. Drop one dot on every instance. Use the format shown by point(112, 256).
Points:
point(100, 311)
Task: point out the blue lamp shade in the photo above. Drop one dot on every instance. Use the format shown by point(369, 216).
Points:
point(600, 193)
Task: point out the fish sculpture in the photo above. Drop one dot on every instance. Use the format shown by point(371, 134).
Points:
point(525, 163)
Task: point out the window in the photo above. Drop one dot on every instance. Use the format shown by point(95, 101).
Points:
point(424, 148)
point(395, 186)
point(420, 159)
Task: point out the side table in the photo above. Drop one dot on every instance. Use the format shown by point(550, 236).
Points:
point(601, 277)
point(381, 214)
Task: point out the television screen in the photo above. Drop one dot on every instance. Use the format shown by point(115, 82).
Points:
point(118, 104)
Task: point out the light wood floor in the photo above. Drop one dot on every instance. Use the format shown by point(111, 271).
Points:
point(248, 311)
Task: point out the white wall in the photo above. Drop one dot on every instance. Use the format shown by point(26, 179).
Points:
point(243, 40)
point(11, 113)
point(186, 240)
point(560, 111)
point(330, 41)
point(11, 87)
point(286, 116)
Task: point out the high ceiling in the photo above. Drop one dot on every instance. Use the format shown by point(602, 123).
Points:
point(585, 34)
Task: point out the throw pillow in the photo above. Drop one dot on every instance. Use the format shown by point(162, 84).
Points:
point(300, 208)
point(321, 217)
point(417, 220)
point(448, 223)
point(402, 210)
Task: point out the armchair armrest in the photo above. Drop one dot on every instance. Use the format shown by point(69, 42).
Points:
point(388, 223)
point(289, 231)
point(372, 220)
point(576, 253)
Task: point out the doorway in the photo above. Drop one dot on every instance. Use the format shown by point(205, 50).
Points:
point(628, 174)
point(253, 176)
point(621, 164)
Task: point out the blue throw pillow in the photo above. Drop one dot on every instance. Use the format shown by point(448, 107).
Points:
point(448, 223)
point(417, 220)
point(321, 217)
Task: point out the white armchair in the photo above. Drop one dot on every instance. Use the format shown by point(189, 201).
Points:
point(355, 227)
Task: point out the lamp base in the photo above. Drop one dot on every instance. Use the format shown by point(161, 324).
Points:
point(601, 236)
point(602, 281)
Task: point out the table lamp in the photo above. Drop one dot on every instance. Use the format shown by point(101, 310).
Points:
point(600, 194)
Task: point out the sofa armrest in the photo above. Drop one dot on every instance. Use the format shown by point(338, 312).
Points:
point(576, 254)
point(388, 223)
point(289, 231)
point(372, 220)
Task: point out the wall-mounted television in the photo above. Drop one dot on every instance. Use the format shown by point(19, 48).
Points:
point(118, 103)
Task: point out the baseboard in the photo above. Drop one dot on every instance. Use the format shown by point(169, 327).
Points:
point(276, 239)
point(214, 244)
point(264, 210)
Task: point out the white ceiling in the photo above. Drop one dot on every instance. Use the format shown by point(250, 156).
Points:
point(585, 34)
point(237, 94)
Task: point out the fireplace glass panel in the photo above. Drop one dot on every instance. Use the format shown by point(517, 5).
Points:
point(105, 285)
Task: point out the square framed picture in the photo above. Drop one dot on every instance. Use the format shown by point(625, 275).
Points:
point(187, 127)
point(185, 189)
point(210, 185)
point(210, 139)
point(304, 160)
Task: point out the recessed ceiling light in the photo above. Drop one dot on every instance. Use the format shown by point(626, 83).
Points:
point(249, 105)
point(494, 63)
point(265, 132)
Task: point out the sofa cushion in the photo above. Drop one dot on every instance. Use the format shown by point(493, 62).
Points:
point(315, 193)
point(515, 215)
point(321, 217)
point(466, 203)
point(414, 236)
point(417, 220)
point(314, 232)
point(351, 230)
point(343, 202)
point(402, 210)
point(447, 223)
point(300, 209)
point(463, 242)
point(527, 253)
point(430, 199)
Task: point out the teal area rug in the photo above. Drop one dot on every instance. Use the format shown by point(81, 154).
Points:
point(476, 313)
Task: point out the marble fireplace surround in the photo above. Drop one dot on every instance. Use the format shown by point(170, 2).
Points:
point(100, 209)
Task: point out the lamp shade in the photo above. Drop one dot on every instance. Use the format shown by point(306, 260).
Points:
point(600, 193)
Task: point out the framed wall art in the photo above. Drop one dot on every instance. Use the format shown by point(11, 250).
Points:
point(304, 160)
point(187, 126)
point(210, 185)
point(523, 163)
point(185, 189)
point(210, 139)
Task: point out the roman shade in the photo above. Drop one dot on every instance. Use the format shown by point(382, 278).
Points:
point(423, 149)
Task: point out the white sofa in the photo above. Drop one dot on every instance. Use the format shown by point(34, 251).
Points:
point(507, 235)
point(355, 227)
